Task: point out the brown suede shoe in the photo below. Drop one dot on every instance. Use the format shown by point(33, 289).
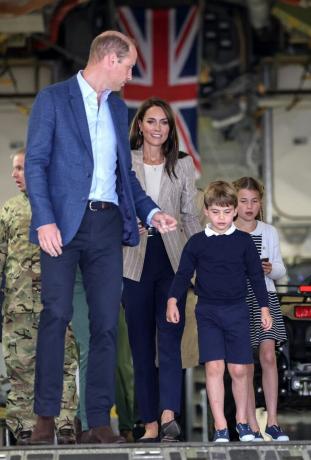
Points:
point(43, 432)
point(102, 435)
point(78, 429)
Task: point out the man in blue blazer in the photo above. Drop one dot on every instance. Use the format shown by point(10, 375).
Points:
point(84, 199)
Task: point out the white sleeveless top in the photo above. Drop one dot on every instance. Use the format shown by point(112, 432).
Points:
point(153, 174)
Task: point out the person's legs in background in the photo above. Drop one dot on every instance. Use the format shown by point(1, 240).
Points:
point(19, 348)
point(81, 330)
point(65, 421)
point(125, 382)
point(19, 337)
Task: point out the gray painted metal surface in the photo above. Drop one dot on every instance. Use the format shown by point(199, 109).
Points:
point(208, 451)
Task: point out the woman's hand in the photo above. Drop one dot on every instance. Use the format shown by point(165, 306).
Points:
point(141, 228)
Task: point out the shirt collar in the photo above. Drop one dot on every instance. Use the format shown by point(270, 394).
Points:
point(211, 232)
point(88, 91)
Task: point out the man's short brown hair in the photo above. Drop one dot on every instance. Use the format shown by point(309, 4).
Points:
point(110, 41)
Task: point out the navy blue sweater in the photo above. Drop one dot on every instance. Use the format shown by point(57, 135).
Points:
point(222, 264)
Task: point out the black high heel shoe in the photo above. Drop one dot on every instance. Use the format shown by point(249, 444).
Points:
point(148, 440)
point(170, 432)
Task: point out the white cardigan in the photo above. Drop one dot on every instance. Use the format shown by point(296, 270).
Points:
point(271, 249)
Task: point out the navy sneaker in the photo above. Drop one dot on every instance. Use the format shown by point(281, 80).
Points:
point(244, 431)
point(221, 435)
point(276, 433)
point(258, 436)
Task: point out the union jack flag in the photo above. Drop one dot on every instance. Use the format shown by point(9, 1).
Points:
point(167, 65)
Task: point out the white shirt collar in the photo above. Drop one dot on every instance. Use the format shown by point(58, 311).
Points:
point(211, 232)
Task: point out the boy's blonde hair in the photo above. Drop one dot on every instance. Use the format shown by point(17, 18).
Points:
point(220, 193)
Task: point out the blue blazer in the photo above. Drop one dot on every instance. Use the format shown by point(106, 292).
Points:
point(59, 163)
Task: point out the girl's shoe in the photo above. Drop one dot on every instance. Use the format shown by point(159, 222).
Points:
point(244, 431)
point(276, 433)
point(258, 437)
point(221, 435)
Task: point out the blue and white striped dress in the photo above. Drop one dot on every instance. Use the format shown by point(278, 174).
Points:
point(278, 331)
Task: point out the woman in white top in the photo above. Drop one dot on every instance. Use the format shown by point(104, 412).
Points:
point(168, 177)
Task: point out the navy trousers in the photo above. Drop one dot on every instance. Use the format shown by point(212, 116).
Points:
point(98, 251)
point(156, 388)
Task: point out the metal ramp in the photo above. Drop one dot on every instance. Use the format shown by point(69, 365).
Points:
point(182, 451)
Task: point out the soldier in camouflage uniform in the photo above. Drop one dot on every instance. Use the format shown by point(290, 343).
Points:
point(20, 265)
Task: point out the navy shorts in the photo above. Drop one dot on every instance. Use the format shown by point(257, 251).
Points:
point(224, 333)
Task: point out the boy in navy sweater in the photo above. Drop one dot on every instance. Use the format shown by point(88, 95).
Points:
point(223, 258)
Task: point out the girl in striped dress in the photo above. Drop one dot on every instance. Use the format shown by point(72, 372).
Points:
point(265, 237)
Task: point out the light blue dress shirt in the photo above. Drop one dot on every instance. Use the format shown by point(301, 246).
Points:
point(104, 145)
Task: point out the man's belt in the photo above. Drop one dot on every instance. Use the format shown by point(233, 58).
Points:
point(99, 205)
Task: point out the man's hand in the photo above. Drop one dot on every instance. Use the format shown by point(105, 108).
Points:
point(266, 319)
point(50, 239)
point(163, 222)
point(172, 312)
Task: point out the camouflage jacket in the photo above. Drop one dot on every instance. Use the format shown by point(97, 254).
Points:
point(19, 259)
